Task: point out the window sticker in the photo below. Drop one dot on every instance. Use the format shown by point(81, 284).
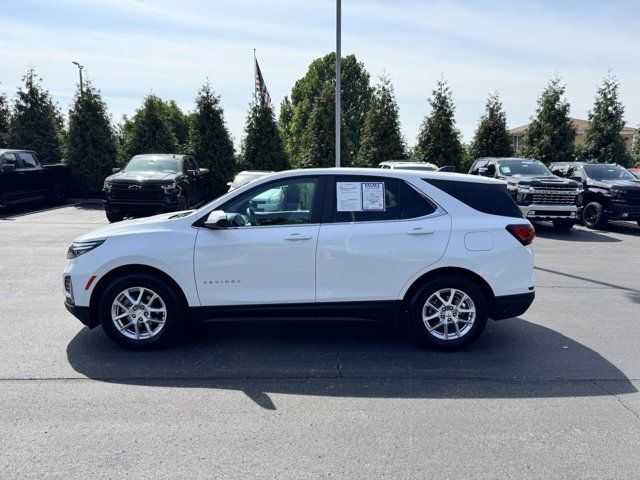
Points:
point(349, 196)
point(373, 196)
point(505, 169)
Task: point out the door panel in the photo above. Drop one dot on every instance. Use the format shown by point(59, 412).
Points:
point(373, 260)
point(256, 265)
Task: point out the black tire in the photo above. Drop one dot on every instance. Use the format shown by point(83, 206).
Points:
point(563, 224)
point(417, 303)
point(114, 218)
point(173, 327)
point(58, 194)
point(593, 215)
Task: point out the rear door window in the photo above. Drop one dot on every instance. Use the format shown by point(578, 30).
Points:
point(490, 198)
point(28, 160)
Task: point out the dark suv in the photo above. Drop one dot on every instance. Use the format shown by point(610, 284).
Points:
point(155, 183)
point(610, 191)
point(539, 193)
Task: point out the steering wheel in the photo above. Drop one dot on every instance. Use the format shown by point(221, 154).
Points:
point(238, 220)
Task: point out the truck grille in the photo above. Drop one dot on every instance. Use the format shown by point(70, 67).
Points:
point(633, 197)
point(145, 194)
point(554, 195)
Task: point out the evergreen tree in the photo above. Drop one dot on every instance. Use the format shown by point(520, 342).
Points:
point(36, 123)
point(356, 95)
point(149, 131)
point(318, 145)
point(210, 142)
point(551, 135)
point(439, 139)
point(262, 147)
point(380, 138)
point(90, 141)
point(5, 118)
point(603, 141)
point(285, 120)
point(492, 138)
point(179, 122)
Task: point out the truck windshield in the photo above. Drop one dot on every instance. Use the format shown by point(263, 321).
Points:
point(524, 167)
point(164, 165)
point(608, 172)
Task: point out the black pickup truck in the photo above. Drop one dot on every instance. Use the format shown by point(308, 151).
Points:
point(155, 183)
point(539, 193)
point(611, 192)
point(24, 179)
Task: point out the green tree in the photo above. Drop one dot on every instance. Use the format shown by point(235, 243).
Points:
point(262, 147)
point(635, 148)
point(380, 138)
point(492, 138)
point(149, 131)
point(551, 135)
point(36, 123)
point(439, 139)
point(603, 141)
point(5, 119)
point(318, 143)
point(356, 95)
point(209, 139)
point(90, 141)
point(179, 122)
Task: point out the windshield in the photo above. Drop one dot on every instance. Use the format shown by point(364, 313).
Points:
point(608, 172)
point(244, 178)
point(163, 165)
point(524, 167)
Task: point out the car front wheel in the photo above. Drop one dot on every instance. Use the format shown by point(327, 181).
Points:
point(448, 313)
point(593, 215)
point(141, 311)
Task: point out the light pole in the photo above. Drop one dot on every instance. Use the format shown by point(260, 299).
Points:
point(338, 87)
point(80, 67)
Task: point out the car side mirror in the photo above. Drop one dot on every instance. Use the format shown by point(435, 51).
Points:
point(203, 171)
point(8, 167)
point(192, 173)
point(115, 170)
point(217, 220)
point(576, 179)
point(228, 184)
point(487, 171)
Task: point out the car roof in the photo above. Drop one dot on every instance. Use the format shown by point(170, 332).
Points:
point(15, 150)
point(379, 172)
point(502, 159)
point(159, 156)
point(256, 172)
point(406, 162)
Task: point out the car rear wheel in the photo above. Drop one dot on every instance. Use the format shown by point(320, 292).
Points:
point(140, 311)
point(58, 194)
point(593, 215)
point(114, 218)
point(563, 225)
point(448, 313)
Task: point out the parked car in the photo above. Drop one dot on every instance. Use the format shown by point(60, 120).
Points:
point(611, 192)
point(441, 251)
point(246, 176)
point(404, 165)
point(541, 195)
point(155, 183)
point(24, 179)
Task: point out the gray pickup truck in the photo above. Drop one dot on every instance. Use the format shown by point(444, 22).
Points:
point(24, 179)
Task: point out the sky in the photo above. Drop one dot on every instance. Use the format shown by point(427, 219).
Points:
point(131, 48)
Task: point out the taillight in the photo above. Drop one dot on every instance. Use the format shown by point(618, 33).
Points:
point(523, 233)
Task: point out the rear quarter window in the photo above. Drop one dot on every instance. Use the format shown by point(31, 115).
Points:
point(493, 199)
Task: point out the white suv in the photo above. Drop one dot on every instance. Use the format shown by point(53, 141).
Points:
point(441, 252)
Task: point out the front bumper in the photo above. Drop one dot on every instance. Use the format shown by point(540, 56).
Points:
point(140, 208)
point(81, 313)
point(623, 211)
point(548, 212)
point(509, 306)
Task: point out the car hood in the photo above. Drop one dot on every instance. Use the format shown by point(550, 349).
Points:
point(137, 177)
point(133, 226)
point(622, 184)
point(542, 181)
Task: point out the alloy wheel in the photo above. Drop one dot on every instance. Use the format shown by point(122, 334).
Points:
point(449, 314)
point(138, 313)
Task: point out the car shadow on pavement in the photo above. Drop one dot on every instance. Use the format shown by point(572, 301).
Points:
point(16, 211)
point(576, 234)
point(513, 359)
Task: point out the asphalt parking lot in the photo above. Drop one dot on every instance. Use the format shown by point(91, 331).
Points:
point(552, 394)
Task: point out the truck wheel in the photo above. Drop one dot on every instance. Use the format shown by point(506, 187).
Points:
point(593, 215)
point(563, 224)
point(140, 311)
point(58, 194)
point(448, 313)
point(114, 218)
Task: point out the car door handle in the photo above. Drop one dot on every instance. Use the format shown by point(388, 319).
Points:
point(420, 231)
point(294, 237)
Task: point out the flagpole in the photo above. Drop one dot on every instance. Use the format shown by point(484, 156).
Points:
point(338, 86)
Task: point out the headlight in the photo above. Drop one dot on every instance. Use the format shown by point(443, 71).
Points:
point(79, 248)
point(106, 187)
point(170, 188)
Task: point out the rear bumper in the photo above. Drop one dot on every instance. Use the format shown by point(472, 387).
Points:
point(81, 313)
point(509, 306)
point(548, 212)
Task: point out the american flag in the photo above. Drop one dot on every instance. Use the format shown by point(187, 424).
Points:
point(261, 88)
